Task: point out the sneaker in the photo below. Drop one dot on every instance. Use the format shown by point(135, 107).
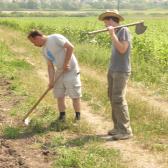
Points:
point(112, 132)
point(122, 136)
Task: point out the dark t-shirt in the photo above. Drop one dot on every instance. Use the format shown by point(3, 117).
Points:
point(121, 62)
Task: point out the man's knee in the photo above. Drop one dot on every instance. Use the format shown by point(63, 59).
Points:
point(118, 100)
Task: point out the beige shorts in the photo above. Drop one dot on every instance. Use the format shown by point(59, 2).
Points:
point(68, 84)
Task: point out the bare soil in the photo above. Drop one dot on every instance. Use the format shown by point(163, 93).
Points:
point(21, 152)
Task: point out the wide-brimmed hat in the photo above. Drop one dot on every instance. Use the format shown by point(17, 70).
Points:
point(112, 13)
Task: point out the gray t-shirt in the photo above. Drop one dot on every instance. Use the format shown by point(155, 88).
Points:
point(54, 51)
point(121, 62)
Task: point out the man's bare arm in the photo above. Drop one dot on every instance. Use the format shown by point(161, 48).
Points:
point(51, 73)
point(69, 50)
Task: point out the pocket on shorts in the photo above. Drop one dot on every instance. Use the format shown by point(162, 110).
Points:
point(73, 81)
point(77, 81)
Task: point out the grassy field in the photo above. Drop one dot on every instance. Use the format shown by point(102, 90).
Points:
point(84, 13)
point(70, 142)
point(149, 49)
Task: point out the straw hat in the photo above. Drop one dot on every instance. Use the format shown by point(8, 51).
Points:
point(109, 13)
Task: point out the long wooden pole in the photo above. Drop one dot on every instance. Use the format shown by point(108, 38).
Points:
point(41, 98)
point(117, 27)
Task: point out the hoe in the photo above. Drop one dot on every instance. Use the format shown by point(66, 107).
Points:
point(140, 28)
point(26, 120)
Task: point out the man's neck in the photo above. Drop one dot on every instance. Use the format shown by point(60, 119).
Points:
point(45, 39)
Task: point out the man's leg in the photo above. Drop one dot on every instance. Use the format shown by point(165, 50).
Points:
point(61, 107)
point(59, 94)
point(73, 90)
point(119, 103)
point(76, 105)
point(110, 92)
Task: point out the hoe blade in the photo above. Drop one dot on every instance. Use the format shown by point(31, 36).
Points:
point(140, 28)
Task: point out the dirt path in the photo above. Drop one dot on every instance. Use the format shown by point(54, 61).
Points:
point(9, 156)
point(132, 154)
point(22, 153)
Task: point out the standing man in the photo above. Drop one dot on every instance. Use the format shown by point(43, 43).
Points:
point(58, 52)
point(118, 74)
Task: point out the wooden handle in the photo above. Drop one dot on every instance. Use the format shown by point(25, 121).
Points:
point(35, 105)
point(117, 27)
point(41, 97)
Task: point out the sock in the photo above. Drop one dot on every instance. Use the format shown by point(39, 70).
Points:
point(77, 114)
point(62, 113)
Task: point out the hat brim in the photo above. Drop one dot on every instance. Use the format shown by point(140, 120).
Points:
point(108, 14)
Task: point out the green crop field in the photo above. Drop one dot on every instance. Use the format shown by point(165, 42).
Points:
point(149, 54)
point(48, 143)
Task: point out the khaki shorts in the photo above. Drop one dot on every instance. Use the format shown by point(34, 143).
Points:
point(68, 84)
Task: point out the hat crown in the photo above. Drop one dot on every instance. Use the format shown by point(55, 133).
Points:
point(113, 11)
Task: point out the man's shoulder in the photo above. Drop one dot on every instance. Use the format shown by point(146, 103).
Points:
point(124, 29)
point(55, 36)
point(124, 34)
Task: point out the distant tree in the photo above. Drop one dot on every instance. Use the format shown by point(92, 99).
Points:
point(2, 5)
point(70, 4)
point(22, 5)
point(139, 6)
point(32, 4)
point(44, 5)
point(13, 6)
point(109, 4)
point(55, 4)
point(77, 4)
point(99, 4)
point(164, 4)
point(9, 6)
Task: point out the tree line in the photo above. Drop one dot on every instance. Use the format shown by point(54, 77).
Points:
point(81, 4)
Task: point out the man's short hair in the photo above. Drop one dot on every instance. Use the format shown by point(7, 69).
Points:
point(34, 33)
point(115, 19)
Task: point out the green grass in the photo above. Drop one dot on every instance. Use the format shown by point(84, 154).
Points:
point(74, 143)
point(83, 152)
point(97, 99)
point(149, 49)
point(150, 129)
point(20, 64)
point(147, 131)
point(92, 55)
point(11, 132)
point(149, 125)
point(90, 157)
point(143, 65)
point(21, 74)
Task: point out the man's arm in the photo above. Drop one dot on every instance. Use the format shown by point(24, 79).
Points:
point(69, 50)
point(121, 46)
point(51, 74)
